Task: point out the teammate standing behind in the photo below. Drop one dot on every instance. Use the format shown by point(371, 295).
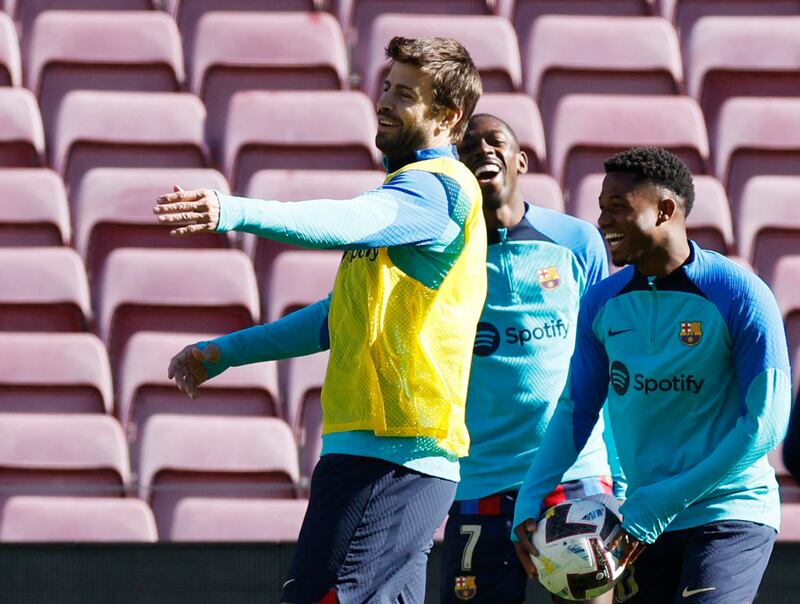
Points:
point(691, 350)
point(400, 324)
point(540, 262)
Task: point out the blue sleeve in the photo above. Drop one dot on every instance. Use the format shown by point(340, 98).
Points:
point(617, 474)
point(302, 332)
point(572, 423)
point(412, 209)
point(762, 369)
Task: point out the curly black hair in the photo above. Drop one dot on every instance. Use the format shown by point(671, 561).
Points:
point(659, 167)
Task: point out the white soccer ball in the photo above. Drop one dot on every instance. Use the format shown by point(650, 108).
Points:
point(572, 538)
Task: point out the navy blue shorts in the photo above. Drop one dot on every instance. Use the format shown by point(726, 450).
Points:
point(479, 563)
point(367, 533)
point(717, 563)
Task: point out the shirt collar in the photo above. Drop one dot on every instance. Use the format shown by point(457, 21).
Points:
point(419, 155)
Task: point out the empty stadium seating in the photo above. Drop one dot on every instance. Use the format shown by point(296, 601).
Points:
point(297, 279)
point(102, 50)
point(709, 222)
point(583, 200)
point(30, 519)
point(114, 208)
point(21, 131)
point(44, 289)
point(542, 190)
point(174, 290)
point(785, 287)
point(280, 51)
point(298, 130)
point(600, 55)
point(742, 56)
point(34, 208)
point(10, 61)
point(127, 130)
point(54, 373)
point(521, 113)
point(229, 457)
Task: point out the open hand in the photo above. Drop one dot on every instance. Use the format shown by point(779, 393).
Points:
point(194, 211)
point(187, 369)
point(524, 546)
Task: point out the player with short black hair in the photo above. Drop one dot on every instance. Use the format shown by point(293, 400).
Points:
point(691, 351)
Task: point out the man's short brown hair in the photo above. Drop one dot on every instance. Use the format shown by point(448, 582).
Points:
point(455, 79)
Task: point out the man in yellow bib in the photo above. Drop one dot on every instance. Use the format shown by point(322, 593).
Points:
point(400, 324)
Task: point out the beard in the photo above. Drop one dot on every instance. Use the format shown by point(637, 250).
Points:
point(404, 141)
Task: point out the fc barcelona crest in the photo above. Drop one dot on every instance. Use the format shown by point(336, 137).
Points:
point(691, 332)
point(549, 277)
point(465, 588)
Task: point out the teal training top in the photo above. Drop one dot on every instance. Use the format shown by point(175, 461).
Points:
point(699, 394)
point(537, 272)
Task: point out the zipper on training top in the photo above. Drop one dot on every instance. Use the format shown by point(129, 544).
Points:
point(505, 264)
point(651, 281)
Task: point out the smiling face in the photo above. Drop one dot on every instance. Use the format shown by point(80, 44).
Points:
point(630, 218)
point(406, 117)
point(493, 155)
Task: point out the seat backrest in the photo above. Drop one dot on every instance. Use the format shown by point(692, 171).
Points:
point(10, 62)
point(709, 223)
point(299, 278)
point(588, 129)
point(263, 51)
point(28, 519)
point(75, 454)
point(756, 136)
point(769, 222)
point(326, 130)
point(521, 113)
point(127, 130)
point(21, 131)
point(101, 50)
point(231, 457)
point(742, 56)
point(600, 55)
point(583, 199)
point(542, 190)
point(35, 210)
point(114, 208)
point(54, 373)
point(44, 289)
point(490, 41)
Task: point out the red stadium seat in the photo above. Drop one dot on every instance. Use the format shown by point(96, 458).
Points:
point(686, 13)
point(10, 62)
point(756, 136)
point(303, 378)
point(542, 190)
point(490, 41)
point(326, 130)
point(600, 55)
point(144, 389)
point(709, 222)
point(588, 129)
point(188, 13)
point(299, 185)
point(74, 454)
point(264, 51)
point(127, 130)
point(72, 519)
point(215, 519)
point(583, 201)
point(228, 457)
point(520, 112)
point(742, 56)
point(54, 373)
point(524, 13)
point(21, 132)
point(34, 208)
point(44, 289)
point(114, 208)
point(299, 278)
point(174, 290)
point(769, 222)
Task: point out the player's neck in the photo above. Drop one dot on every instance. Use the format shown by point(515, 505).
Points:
point(506, 216)
point(665, 258)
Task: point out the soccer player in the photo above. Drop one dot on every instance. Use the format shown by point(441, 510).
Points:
point(690, 349)
point(539, 264)
point(400, 324)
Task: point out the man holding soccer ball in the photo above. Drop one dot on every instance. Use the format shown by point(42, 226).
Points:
point(690, 350)
point(539, 264)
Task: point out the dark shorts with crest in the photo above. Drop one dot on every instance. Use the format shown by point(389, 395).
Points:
point(479, 562)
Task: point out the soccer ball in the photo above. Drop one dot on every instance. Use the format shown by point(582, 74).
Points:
point(572, 538)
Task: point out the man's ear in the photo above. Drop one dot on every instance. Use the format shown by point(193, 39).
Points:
point(668, 208)
point(450, 117)
point(522, 163)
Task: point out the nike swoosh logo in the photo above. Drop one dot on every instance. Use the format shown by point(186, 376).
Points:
point(290, 580)
point(612, 333)
point(690, 592)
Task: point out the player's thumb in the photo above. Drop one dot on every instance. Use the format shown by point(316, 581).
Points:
point(209, 353)
point(176, 188)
